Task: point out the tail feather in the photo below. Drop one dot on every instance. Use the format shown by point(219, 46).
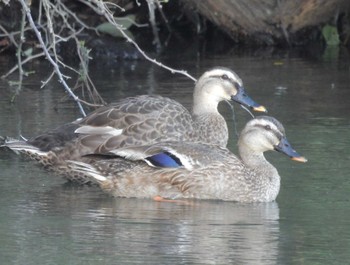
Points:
point(19, 146)
point(87, 169)
point(2, 140)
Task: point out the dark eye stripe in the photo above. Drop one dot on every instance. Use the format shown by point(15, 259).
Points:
point(267, 127)
point(221, 76)
point(225, 77)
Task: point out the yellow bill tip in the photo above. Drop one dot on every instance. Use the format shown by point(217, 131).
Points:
point(299, 159)
point(260, 108)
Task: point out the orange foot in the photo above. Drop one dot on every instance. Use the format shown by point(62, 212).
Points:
point(161, 199)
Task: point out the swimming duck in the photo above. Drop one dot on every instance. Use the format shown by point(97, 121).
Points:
point(175, 170)
point(143, 120)
point(149, 119)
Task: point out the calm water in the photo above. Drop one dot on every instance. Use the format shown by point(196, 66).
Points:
point(45, 221)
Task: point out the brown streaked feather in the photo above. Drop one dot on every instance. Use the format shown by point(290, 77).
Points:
point(146, 120)
point(214, 172)
point(161, 119)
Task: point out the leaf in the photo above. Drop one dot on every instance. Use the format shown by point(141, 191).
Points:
point(6, 2)
point(330, 34)
point(126, 22)
point(112, 30)
point(28, 52)
point(331, 53)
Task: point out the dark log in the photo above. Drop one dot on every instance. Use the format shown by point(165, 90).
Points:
point(267, 21)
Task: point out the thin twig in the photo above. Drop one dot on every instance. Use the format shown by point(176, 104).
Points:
point(160, 9)
point(10, 35)
point(83, 54)
point(62, 11)
point(19, 53)
point(103, 9)
point(152, 19)
point(245, 108)
point(28, 59)
point(115, 5)
point(44, 83)
point(48, 56)
point(76, 18)
point(90, 104)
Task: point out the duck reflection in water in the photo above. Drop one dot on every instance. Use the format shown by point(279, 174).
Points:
point(132, 230)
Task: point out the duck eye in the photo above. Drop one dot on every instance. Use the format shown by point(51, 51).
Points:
point(224, 77)
point(268, 127)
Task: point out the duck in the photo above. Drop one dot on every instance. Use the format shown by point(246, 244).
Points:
point(147, 119)
point(142, 120)
point(193, 170)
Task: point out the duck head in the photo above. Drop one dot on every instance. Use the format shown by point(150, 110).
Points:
point(265, 133)
point(222, 84)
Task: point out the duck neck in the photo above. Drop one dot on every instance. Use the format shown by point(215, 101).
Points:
point(203, 105)
point(211, 128)
point(256, 161)
point(266, 178)
point(203, 100)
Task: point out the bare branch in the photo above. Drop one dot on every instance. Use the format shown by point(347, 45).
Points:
point(152, 19)
point(159, 6)
point(10, 35)
point(19, 53)
point(62, 25)
point(72, 14)
point(102, 8)
point(44, 83)
point(48, 56)
point(28, 59)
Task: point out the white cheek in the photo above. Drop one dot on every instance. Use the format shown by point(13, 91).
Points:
point(213, 91)
point(260, 144)
point(222, 94)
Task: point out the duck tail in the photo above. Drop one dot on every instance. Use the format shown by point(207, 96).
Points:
point(19, 146)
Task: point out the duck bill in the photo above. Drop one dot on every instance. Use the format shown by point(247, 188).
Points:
point(242, 98)
point(285, 148)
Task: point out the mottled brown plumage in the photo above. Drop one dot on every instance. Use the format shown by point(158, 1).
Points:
point(139, 121)
point(150, 119)
point(203, 171)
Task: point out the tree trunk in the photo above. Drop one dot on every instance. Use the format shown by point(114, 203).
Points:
point(267, 21)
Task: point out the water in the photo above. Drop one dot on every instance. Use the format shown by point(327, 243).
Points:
point(46, 221)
